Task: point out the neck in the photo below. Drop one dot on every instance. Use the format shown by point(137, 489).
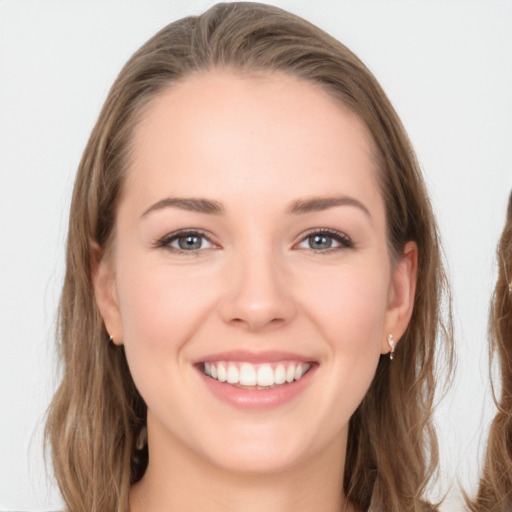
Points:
point(177, 479)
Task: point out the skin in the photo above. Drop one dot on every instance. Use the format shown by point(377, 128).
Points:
point(255, 145)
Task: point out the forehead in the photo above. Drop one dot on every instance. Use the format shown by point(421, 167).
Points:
point(261, 129)
point(225, 91)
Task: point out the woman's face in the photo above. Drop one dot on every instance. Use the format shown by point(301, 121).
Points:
point(250, 280)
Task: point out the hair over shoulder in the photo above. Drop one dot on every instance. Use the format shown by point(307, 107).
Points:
point(495, 490)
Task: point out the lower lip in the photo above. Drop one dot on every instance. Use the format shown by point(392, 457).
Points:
point(257, 398)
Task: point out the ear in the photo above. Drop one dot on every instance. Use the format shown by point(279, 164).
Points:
point(401, 295)
point(105, 293)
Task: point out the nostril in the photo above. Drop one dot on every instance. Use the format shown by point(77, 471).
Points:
point(255, 323)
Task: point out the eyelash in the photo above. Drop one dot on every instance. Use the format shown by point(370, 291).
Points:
point(344, 241)
point(166, 241)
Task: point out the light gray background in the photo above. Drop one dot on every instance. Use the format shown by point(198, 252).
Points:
point(447, 67)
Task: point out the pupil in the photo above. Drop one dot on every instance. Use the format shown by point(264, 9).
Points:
point(189, 242)
point(320, 242)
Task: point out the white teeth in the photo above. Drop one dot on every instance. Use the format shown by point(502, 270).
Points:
point(222, 374)
point(247, 374)
point(290, 373)
point(232, 377)
point(280, 374)
point(265, 376)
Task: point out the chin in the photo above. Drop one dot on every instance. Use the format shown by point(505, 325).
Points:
point(260, 461)
point(262, 453)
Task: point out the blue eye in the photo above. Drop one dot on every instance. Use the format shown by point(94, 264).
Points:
point(188, 242)
point(320, 242)
point(325, 240)
point(185, 241)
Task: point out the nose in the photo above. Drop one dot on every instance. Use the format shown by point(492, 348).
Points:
point(259, 293)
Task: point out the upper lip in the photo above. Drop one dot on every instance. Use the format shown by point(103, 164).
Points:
point(267, 356)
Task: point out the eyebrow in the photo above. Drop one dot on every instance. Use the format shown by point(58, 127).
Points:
point(298, 207)
point(190, 204)
point(318, 204)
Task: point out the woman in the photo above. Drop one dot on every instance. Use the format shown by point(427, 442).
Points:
point(495, 491)
point(253, 286)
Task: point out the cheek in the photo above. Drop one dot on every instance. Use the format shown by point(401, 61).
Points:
point(348, 313)
point(161, 310)
point(160, 307)
point(351, 307)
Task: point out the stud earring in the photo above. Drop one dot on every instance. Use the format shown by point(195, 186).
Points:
point(391, 343)
point(110, 338)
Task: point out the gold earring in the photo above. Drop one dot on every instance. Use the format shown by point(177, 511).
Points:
point(391, 343)
point(110, 338)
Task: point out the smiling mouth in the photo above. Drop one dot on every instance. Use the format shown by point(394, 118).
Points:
point(255, 376)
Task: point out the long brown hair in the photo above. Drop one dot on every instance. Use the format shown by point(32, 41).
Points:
point(495, 490)
point(97, 412)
